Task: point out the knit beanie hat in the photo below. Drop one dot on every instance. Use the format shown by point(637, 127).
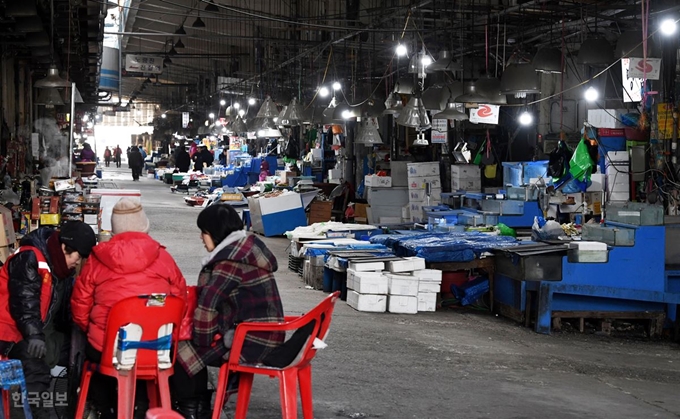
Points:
point(78, 236)
point(128, 215)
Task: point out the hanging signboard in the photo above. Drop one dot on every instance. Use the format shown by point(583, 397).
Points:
point(143, 64)
point(439, 131)
point(632, 86)
point(485, 114)
point(185, 119)
point(650, 68)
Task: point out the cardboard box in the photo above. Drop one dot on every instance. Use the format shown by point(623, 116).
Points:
point(378, 181)
point(465, 171)
point(7, 235)
point(420, 182)
point(427, 301)
point(407, 265)
point(418, 195)
point(403, 304)
point(423, 169)
point(402, 284)
point(367, 302)
point(473, 185)
point(320, 211)
point(287, 177)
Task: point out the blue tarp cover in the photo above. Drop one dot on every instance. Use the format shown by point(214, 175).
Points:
point(443, 247)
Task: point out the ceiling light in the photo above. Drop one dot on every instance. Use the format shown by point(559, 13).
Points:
point(269, 133)
point(393, 105)
point(239, 126)
point(237, 105)
point(471, 95)
point(346, 114)
point(223, 102)
point(167, 60)
point(596, 52)
point(435, 97)
point(198, 23)
point(445, 63)
point(520, 80)
point(268, 109)
point(324, 92)
point(180, 30)
point(211, 115)
point(591, 94)
point(86, 118)
point(212, 7)
point(402, 50)
point(293, 114)
point(172, 51)
point(371, 108)
point(337, 86)
point(49, 97)
point(251, 101)
point(327, 115)
point(179, 43)
point(668, 26)
point(548, 60)
point(453, 111)
point(420, 140)
point(52, 79)
point(218, 123)
point(491, 88)
point(419, 63)
point(343, 111)
point(414, 115)
point(526, 118)
point(426, 60)
point(241, 113)
point(164, 116)
point(367, 133)
point(404, 86)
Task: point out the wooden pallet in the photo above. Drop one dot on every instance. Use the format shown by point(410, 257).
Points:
point(655, 326)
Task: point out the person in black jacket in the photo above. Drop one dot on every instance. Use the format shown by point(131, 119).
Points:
point(136, 163)
point(203, 157)
point(35, 285)
point(182, 159)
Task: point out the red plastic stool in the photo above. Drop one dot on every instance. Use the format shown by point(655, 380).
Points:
point(160, 413)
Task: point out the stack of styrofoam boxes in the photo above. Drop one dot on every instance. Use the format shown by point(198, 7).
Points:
point(367, 287)
point(466, 177)
point(618, 180)
point(419, 175)
point(404, 286)
point(429, 284)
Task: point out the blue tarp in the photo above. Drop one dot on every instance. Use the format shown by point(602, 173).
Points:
point(444, 247)
point(362, 246)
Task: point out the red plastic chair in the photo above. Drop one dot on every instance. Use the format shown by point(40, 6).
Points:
point(144, 311)
point(299, 372)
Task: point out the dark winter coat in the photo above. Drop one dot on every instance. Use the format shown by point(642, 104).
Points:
point(135, 158)
point(182, 160)
point(236, 285)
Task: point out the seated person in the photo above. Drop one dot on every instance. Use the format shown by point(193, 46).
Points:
point(130, 264)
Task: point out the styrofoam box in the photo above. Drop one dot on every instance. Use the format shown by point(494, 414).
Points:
point(367, 302)
point(618, 196)
point(465, 171)
point(418, 195)
point(402, 284)
point(370, 283)
point(378, 181)
point(390, 220)
point(428, 275)
point(91, 218)
point(406, 212)
point(597, 184)
point(427, 301)
point(420, 182)
point(425, 285)
point(423, 169)
point(403, 304)
point(590, 246)
point(366, 266)
point(466, 185)
point(407, 265)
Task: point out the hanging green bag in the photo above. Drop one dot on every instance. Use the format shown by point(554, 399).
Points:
point(581, 163)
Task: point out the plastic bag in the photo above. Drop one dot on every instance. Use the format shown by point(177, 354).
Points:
point(546, 230)
point(581, 164)
point(505, 230)
point(558, 162)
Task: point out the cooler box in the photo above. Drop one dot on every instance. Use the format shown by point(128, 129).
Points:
point(274, 216)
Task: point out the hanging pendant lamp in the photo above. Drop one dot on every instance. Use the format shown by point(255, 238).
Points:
point(435, 97)
point(491, 88)
point(268, 109)
point(520, 80)
point(343, 111)
point(596, 52)
point(453, 111)
point(198, 23)
point(367, 133)
point(445, 62)
point(471, 96)
point(78, 97)
point(293, 114)
point(179, 43)
point(414, 115)
point(404, 86)
point(212, 7)
point(238, 126)
point(393, 105)
point(548, 60)
point(180, 30)
point(327, 116)
point(49, 97)
point(52, 80)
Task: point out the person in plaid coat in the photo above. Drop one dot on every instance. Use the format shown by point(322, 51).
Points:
point(235, 285)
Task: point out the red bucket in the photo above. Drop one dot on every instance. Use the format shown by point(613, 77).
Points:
point(456, 278)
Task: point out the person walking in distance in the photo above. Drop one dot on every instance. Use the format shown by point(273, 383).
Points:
point(107, 156)
point(136, 163)
point(117, 155)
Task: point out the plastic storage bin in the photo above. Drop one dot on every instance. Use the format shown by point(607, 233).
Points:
point(612, 143)
point(534, 169)
point(512, 173)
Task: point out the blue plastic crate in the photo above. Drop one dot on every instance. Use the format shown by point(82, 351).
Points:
point(612, 143)
point(512, 173)
point(534, 169)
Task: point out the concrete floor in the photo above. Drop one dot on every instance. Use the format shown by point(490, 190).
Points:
point(448, 364)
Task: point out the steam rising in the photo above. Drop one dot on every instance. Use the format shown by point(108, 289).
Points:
point(54, 151)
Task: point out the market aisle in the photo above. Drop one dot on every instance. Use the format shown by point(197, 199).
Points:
point(447, 364)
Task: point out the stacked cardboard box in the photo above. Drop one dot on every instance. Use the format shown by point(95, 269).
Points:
point(419, 176)
point(466, 177)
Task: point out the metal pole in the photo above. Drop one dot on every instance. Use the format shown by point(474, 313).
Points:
point(70, 130)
